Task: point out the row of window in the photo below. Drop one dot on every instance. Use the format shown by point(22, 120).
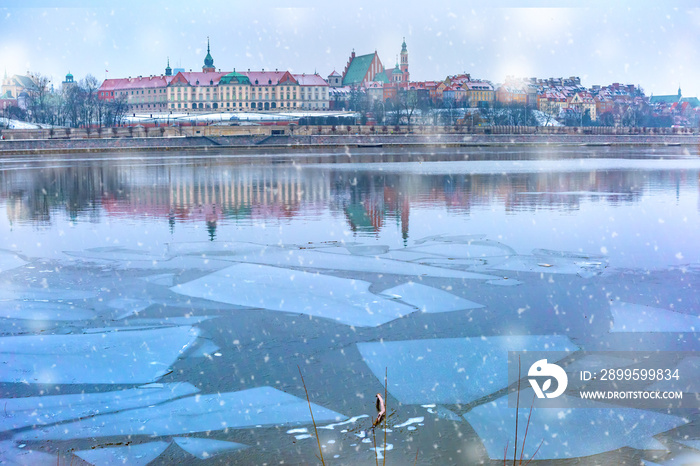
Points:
point(241, 106)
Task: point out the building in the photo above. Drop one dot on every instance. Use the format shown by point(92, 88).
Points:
point(479, 93)
point(15, 85)
point(216, 91)
point(362, 69)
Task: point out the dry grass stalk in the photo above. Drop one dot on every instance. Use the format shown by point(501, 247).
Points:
point(320, 451)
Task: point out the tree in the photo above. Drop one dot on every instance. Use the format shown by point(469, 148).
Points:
point(38, 98)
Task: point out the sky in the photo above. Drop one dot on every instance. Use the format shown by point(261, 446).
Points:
point(654, 44)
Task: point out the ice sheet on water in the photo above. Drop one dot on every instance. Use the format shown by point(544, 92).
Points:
point(554, 264)
point(127, 306)
point(344, 300)
point(681, 459)
point(695, 444)
point(164, 279)
point(205, 349)
point(466, 239)
point(429, 299)
point(204, 448)
point(38, 310)
point(451, 370)
point(7, 292)
point(51, 409)
point(504, 282)
point(413, 420)
point(118, 254)
point(136, 356)
point(264, 406)
point(11, 454)
point(182, 320)
point(9, 260)
point(583, 428)
point(470, 250)
point(367, 249)
point(629, 317)
point(134, 455)
point(320, 259)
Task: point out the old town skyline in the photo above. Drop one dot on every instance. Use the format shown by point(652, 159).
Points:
point(639, 43)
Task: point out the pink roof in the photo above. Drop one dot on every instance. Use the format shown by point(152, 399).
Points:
point(310, 80)
point(148, 82)
point(267, 78)
point(210, 78)
point(334, 74)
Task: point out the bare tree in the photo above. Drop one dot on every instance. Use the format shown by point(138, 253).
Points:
point(38, 98)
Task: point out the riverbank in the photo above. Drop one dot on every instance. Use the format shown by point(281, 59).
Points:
point(304, 142)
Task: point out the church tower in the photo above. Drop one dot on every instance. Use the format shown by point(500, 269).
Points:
point(168, 70)
point(404, 61)
point(208, 61)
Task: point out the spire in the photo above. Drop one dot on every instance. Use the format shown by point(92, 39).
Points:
point(208, 60)
point(679, 91)
point(168, 70)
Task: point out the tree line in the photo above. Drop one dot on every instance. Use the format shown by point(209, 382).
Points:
point(75, 105)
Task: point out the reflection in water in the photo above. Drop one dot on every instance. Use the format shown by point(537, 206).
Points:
point(237, 276)
point(369, 200)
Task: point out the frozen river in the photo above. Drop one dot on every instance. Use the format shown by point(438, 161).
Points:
point(160, 308)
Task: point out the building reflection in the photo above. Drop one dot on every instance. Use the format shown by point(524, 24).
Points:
point(369, 201)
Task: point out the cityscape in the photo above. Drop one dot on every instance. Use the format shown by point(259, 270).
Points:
point(349, 233)
point(365, 86)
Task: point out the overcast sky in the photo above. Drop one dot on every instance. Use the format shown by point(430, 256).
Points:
point(650, 43)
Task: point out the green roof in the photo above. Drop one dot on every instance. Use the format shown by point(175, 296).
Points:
point(24, 81)
point(664, 99)
point(381, 78)
point(358, 69)
point(235, 78)
point(693, 101)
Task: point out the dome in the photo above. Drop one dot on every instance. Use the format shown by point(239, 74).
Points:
point(234, 78)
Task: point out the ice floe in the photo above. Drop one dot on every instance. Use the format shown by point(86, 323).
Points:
point(469, 250)
point(204, 448)
point(204, 349)
point(352, 420)
point(10, 260)
point(12, 454)
point(52, 409)
point(344, 300)
point(320, 259)
point(137, 356)
point(504, 282)
point(429, 299)
point(38, 310)
point(413, 420)
point(555, 262)
point(134, 455)
point(629, 317)
point(127, 306)
point(583, 428)
point(164, 279)
point(262, 406)
point(681, 459)
point(451, 370)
